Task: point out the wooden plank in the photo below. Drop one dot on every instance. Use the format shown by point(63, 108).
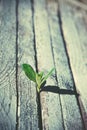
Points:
point(76, 50)
point(61, 60)
point(50, 102)
point(81, 18)
point(7, 65)
point(64, 77)
point(28, 116)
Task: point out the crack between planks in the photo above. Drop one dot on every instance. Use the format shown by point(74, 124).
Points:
point(36, 65)
point(55, 69)
point(17, 100)
point(35, 57)
point(68, 59)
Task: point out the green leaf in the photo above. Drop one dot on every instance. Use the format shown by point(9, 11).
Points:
point(50, 73)
point(29, 71)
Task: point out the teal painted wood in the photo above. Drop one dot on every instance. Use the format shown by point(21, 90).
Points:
point(7, 65)
point(71, 114)
point(28, 114)
point(50, 102)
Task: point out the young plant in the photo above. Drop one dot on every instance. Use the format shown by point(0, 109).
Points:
point(38, 78)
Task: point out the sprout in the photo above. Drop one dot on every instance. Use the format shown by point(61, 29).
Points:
point(38, 78)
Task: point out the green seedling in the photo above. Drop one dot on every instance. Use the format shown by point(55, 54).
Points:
point(38, 78)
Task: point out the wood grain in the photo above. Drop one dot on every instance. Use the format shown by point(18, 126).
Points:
point(81, 18)
point(50, 102)
point(64, 77)
point(63, 71)
point(7, 65)
point(28, 114)
point(74, 33)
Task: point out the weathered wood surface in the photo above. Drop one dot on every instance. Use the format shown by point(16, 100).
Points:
point(81, 18)
point(28, 118)
point(64, 77)
point(74, 30)
point(32, 33)
point(50, 102)
point(7, 65)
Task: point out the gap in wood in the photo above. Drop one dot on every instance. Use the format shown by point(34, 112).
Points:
point(36, 65)
point(75, 89)
point(17, 91)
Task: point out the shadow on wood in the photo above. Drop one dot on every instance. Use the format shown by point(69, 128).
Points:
point(56, 89)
